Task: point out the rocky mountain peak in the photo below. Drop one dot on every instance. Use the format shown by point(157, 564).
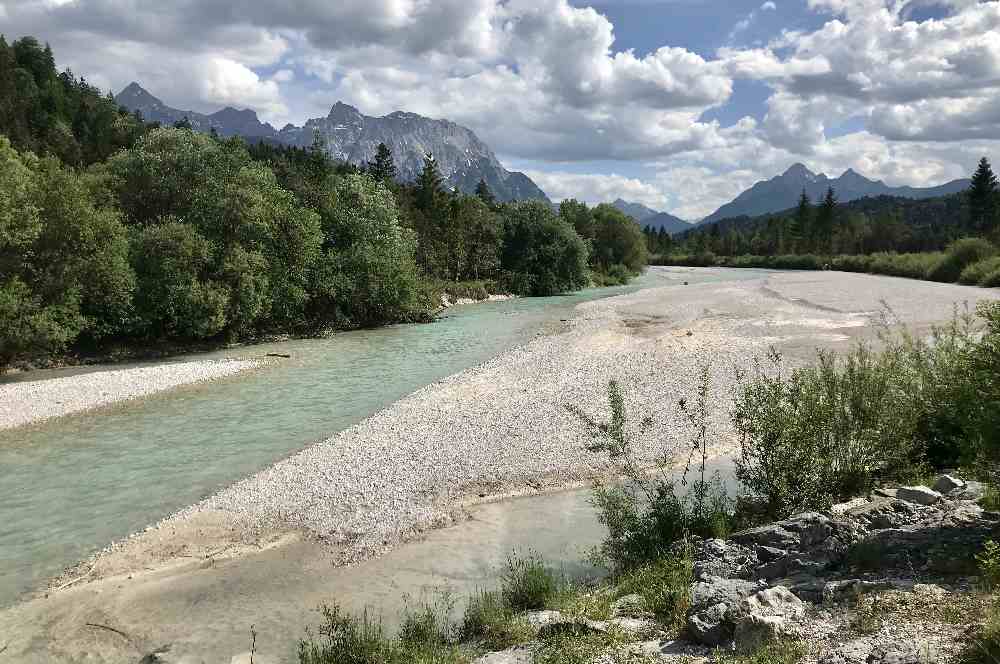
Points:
point(799, 171)
point(341, 112)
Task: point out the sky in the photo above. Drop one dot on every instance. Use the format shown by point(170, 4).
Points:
point(676, 104)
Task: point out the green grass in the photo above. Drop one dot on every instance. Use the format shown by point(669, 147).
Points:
point(492, 623)
point(528, 584)
point(664, 586)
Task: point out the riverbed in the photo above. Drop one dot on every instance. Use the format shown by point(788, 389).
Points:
point(492, 429)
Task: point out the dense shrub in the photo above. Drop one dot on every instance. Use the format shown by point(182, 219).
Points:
point(961, 254)
point(528, 584)
point(985, 272)
point(828, 432)
point(542, 254)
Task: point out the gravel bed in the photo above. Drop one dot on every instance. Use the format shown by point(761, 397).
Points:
point(504, 426)
point(23, 403)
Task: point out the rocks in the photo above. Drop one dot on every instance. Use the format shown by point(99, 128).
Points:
point(709, 626)
point(777, 601)
point(947, 484)
point(511, 656)
point(920, 495)
point(753, 632)
point(853, 652)
point(772, 535)
point(849, 589)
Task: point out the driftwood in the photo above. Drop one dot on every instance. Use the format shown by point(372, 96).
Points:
point(110, 629)
point(278, 355)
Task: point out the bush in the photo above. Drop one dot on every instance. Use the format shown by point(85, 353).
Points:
point(664, 585)
point(528, 584)
point(961, 254)
point(828, 432)
point(644, 515)
point(490, 621)
point(824, 433)
point(981, 273)
point(541, 253)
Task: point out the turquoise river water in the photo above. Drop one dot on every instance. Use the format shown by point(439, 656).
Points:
point(71, 486)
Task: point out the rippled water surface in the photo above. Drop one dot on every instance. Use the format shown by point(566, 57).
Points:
point(69, 487)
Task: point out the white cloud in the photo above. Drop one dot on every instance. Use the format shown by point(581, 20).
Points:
point(545, 80)
point(598, 188)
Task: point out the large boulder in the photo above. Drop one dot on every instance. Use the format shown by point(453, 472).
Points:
point(945, 484)
point(753, 632)
point(710, 625)
point(920, 495)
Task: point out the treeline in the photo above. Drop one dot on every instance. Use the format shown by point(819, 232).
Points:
point(938, 239)
point(155, 235)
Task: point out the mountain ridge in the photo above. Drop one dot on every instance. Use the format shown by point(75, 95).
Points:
point(782, 192)
point(646, 216)
point(350, 136)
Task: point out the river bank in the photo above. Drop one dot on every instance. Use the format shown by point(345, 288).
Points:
point(499, 428)
point(28, 402)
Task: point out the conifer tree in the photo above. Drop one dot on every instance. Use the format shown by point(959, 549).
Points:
point(429, 185)
point(801, 223)
point(983, 197)
point(383, 168)
point(484, 193)
point(825, 218)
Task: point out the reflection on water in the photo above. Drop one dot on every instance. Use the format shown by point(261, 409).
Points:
point(71, 486)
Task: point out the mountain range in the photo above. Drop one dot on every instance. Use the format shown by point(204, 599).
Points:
point(782, 192)
point(646, 216)
point(350, 136)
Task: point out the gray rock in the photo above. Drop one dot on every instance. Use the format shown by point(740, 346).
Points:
point(518, 655)
point(812, 527)
point(766, 554)
point(716, 557)
point(848, 589)
point(947, 484)
point(776, 601)
point(771, 535)
point(855, 652)
point(886, 493)
point(753, 632)
point(920, 495)
point(898, 653)
point(710, 626)
point(716, 590)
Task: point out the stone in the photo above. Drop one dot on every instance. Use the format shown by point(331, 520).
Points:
point(812, 527)
point(898, 653)
point(947, 484)
point(843, 508)
point(854, 652)
point(542, 618)
point(716, 590)
point(776, 601)
point(753, 631)
point(919, 495)
point(766, 554)
point(669, 652)
point(848, 589)
point(770, 535)
point(716, 557)
point(886, 493)
point(518, 655)
point(709, 626)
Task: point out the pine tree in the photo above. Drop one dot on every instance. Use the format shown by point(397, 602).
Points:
point(429, 185)
point(983, 197)
point(383, 168)
point(801, 223)
point(825, 218)
point(484, 193)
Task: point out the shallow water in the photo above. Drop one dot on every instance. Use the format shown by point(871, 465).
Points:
point(71, 486)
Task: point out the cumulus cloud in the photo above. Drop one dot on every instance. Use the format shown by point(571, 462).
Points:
point(598, 188)
point(545, 80)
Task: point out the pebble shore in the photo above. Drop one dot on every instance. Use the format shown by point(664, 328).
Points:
point(23, 403)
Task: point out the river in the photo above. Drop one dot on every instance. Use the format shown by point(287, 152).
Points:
point(71, 486)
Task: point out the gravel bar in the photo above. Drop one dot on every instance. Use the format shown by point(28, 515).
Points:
point(504, 427)
point(23, 403)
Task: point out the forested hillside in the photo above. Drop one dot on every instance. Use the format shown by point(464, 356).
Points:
point(949, 238)
point(116, 233)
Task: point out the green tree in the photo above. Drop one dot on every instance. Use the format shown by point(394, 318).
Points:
point(367, 274)
point(618, 240)
point(383, 167)
point(826, 217)
point(801, 224)
point(579, 216)
point(429, 188)
point(484, 193)
point(541, 254)
point(982, 196)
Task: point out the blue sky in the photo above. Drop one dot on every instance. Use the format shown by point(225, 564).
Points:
point(677, 104)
